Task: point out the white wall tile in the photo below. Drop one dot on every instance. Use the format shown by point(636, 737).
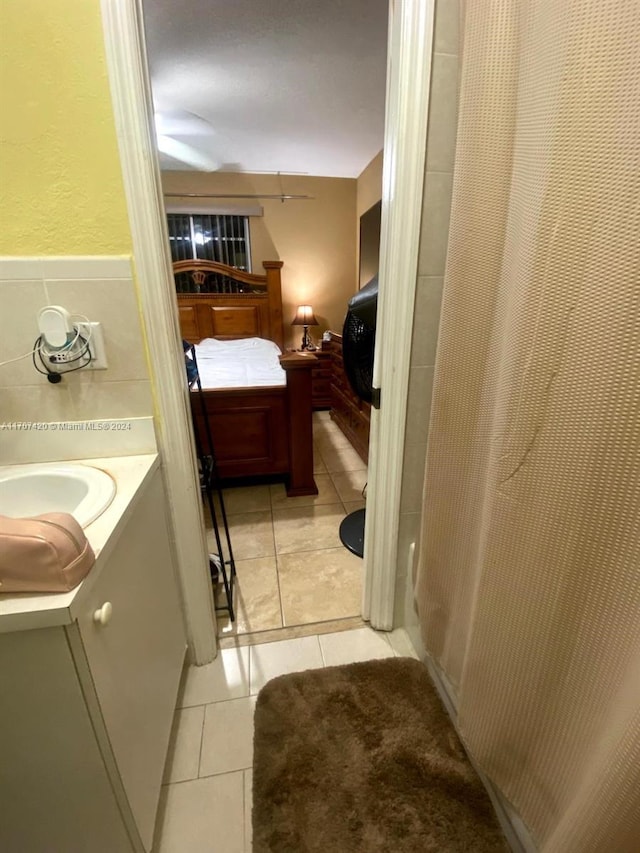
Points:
point(426, 320)
point(408, 532)
point(412, 477)
point(95, 400)
point(19, 269)
point(111, 302)
point(419, 404)
point(21, 301)
point(41, 403)
point(54, 443)
point(436, 208)
point(447, 26)
point(401, 644)
point(87, 267)
point(443, 113)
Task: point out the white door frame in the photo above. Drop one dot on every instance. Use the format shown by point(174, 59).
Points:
point(408, 75)
point(133, 112)
point(408, 79)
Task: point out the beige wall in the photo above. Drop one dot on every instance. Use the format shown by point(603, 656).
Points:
point(369, 191)
point(315, 237)
point(431, 266)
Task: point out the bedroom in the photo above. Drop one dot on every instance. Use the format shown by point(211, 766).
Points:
point(317, 147)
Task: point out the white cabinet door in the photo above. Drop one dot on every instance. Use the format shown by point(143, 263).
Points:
point(55, 792)
point(136, 656)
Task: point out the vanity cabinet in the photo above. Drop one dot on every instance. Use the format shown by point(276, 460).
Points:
point(87, 708)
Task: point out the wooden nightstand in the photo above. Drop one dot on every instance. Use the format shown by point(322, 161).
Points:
point(321, 380)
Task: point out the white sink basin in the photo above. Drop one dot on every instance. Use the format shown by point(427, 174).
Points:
point(83, 491)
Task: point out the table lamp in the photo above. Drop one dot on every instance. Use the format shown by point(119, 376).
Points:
point(305, 318)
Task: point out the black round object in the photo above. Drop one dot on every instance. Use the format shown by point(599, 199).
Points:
point(352, 532)
point(358, 343)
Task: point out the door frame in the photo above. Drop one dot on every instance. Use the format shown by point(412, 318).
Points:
point(128, 73)
point(408, 75)
point(410, 43)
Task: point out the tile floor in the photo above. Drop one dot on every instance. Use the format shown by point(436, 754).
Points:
point(291, 567)
point(205, 804)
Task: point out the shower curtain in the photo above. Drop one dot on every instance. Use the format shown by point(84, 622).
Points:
point(528, 576)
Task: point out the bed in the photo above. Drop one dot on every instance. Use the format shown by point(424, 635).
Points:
point(259, 430)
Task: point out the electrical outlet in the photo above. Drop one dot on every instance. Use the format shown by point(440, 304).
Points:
point(93, 333)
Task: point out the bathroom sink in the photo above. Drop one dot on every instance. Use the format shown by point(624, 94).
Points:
point(83, 491)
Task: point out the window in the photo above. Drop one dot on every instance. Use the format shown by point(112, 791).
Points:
point(210, 237)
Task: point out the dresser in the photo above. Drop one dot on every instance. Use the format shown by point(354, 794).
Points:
point(321, 380)
point(348, 411)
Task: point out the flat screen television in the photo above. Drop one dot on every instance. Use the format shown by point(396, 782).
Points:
point(369, 243)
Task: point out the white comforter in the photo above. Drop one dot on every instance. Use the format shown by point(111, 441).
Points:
point(245, 363)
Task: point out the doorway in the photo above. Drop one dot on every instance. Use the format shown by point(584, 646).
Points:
point(407, 91)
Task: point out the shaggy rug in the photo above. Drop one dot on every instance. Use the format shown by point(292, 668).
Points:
point(363, 759)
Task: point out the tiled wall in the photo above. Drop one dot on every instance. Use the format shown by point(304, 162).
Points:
point(102, 289)
point(431, 264)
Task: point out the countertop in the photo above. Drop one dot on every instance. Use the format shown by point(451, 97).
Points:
point(24, 611)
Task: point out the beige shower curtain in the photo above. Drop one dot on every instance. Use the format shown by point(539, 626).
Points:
point(528, 578)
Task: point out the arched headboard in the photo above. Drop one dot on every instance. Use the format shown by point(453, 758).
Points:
point(219, 301)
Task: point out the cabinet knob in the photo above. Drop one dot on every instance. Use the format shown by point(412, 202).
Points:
point(102, 615)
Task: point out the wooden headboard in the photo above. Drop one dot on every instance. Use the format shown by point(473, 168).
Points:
point(218, 301)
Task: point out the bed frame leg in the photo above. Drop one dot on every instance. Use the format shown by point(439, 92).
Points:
point(298, 368)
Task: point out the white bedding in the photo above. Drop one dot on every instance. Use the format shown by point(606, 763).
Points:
point(244, 363)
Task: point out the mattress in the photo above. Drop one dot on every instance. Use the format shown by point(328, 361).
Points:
point(244, 363)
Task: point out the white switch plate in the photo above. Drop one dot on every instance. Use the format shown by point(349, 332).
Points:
point(93, 331)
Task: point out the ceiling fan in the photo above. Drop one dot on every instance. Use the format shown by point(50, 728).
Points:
point(177, 135)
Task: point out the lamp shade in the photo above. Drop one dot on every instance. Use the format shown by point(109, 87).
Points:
point(304, 316)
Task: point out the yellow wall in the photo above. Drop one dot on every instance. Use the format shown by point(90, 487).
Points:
point(60, 174)
point(315, 238)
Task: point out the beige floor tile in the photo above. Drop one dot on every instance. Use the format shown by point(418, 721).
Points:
point(318, 465)
point(227, 738)
point(352, 646)
point(317, 586)
point(251, 535)
point(227, 677)
point(342, 459)
point(273, 659)
point(248, 805)
point(246, 499)
point(307, 528)
point(349, 484)
point(183, 758)
point(256, 598)
point(352, 506)
point(321, 415)
point(202, 816)
point(308, 630)
point(326, 494)
point(328, 435)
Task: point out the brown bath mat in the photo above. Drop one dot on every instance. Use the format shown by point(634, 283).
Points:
point(363, 759)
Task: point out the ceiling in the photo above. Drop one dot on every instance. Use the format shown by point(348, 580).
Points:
point(292, 86)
